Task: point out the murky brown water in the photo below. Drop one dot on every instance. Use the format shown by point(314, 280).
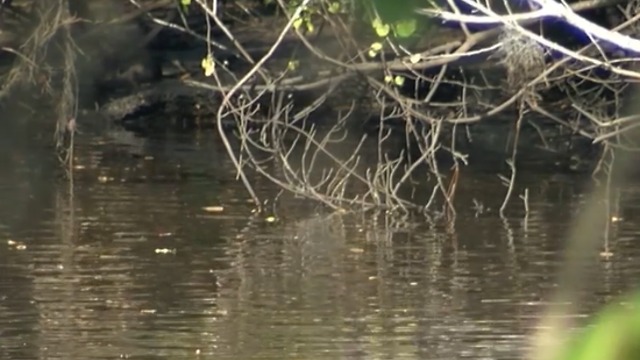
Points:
point(127, 264)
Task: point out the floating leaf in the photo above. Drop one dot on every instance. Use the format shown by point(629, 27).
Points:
point(405, 28)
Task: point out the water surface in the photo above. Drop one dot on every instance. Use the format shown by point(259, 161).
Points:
point(125, 262)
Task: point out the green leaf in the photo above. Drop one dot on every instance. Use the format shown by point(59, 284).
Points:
point(398, 80)
point(382, 29)
point(208, 65)
point(293, 65)
point(297, 23)
point(374, 49)
point(613, 334)
point(388, 79)
point(185, 5)
point(334, 7)
point(406, 28)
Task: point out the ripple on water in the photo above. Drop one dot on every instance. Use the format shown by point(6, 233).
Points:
point(137, 269)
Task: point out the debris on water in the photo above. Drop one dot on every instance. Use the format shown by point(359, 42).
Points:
point(165, 251)
point(213, 209)
point(16, 245)
point(356, 250)
point(270, 219)
point(104, 179)
point(606, 254)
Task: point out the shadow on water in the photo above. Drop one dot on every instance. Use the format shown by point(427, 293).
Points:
point(128, 264)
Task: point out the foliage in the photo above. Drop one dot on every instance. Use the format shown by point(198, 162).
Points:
point(613, 335)
point(385, 17)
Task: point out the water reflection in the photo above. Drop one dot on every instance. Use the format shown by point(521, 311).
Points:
point(127, 264)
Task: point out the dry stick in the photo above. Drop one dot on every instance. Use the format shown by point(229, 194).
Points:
point(512, 162)
point(550, 7)
point(69, 104)
point(319, 145)
point(214, 15)
point(144, 10)
point(294, 183)
point(229, 95)
point(485, 35)
point(433, 163)
point(242, 81)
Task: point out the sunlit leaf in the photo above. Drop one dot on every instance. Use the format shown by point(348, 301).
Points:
point(415, 58)
point(334, 7)
point(185, 5)
point(382, 29)
point(405, 28)
point(208, 65)
point(374, 49)
point(292, 65)
point(297, 23)
point(399, 80)
point(388, 79)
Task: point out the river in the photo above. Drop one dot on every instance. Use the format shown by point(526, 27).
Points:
point(153, 251)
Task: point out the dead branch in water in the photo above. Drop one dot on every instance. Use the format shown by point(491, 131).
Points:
point(430, 89)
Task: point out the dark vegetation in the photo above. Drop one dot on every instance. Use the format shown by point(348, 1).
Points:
point(293, 78)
